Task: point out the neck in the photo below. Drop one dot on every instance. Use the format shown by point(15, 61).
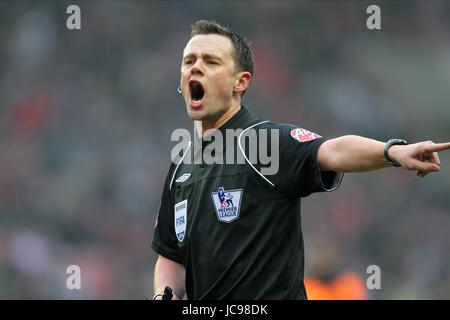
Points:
point(203, 125)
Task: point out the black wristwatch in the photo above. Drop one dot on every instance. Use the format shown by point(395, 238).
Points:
point(390, 143)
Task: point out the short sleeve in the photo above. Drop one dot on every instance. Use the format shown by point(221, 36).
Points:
point(299, 173)
point(164, 239)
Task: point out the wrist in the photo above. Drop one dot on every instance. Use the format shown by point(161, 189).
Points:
point(391, 151)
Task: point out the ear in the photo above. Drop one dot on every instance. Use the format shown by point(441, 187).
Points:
point(242, 81)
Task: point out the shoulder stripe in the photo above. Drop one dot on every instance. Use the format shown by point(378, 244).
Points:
point(251, 165)
point(182, 158)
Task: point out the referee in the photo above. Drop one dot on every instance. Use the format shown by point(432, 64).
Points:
point(229, 231)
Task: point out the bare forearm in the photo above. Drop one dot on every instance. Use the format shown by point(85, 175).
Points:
point(352, 154)
point(171, 274)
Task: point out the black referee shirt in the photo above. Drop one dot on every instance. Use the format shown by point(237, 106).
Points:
point(237, 231)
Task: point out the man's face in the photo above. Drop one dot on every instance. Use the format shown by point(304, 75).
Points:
point(208, 76)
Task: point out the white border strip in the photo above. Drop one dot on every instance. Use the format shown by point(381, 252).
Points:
point(251, 165)
point(182, 158)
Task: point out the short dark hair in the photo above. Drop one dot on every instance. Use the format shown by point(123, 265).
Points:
point(243, 55)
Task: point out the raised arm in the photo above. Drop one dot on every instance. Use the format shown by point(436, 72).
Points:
point(359, 154)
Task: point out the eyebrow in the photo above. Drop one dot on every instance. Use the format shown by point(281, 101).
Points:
point(204, 56)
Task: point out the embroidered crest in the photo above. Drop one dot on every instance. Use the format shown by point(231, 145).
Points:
point(227, 204)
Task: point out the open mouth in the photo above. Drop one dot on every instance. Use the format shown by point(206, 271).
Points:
point(196, 90)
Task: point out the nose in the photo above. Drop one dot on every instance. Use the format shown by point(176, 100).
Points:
point(197, 68)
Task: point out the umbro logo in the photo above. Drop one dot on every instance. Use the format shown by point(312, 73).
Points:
point(183, 178)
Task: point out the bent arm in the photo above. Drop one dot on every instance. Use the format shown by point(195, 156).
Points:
point(169, 273)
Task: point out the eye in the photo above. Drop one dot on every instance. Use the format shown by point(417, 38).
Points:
point(187, 61)
point(212, 62)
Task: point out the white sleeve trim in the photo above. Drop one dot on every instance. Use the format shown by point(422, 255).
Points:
point(336, 183)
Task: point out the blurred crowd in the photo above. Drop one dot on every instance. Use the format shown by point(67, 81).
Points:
point(86, 117)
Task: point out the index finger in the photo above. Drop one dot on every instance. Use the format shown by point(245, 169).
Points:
point(436, 147)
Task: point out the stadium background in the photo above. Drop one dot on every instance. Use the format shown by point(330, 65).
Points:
point(86, 118)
